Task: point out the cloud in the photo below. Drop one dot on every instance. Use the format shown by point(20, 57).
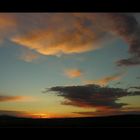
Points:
point(129, 62)
point(68, 33)
point(122, 25)
point(28, 56)
point(126, 27)
point(55, 44)
point(108, 113)
point(135, 87)
point(15, 113)
point(8, 24)
point(93, 96)
point(10, 98)
point(73, 73)
point(4, 98)
point(105, 80)
point(118, 83)
point(61, 34)
point(126, 110)
point(7, 21)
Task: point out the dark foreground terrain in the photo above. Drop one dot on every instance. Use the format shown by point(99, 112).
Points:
point(112, 121)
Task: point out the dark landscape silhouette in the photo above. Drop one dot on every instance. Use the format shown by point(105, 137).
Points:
point(90, 122)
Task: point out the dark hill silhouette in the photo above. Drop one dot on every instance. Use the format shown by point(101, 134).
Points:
point(110, 121)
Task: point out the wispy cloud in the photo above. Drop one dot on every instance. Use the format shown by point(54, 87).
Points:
point(10, 98)
point(106, 80)
point(73, 73)
point(28, 56)
point(6, 98)
point(135, 87)
point(15, 113)
point(109, 112)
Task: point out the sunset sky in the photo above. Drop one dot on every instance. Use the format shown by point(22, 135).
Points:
point(69, 64)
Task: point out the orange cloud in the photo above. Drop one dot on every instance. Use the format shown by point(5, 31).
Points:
point(7, 21)
point(68, 33)
point(10, 98)
point(8, 24)
point(4, 98)
point(61, 34)
point(105, 80)
point(47, 43)
point(28, 56)
point(73, 73)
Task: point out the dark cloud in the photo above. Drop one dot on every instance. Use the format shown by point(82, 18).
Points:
point(93, 96)
point(135, 87)
point(14, 113)
point(100, 113)
point(126, 27)
point(118, 83)
point(129, 62)
point(138, 77)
